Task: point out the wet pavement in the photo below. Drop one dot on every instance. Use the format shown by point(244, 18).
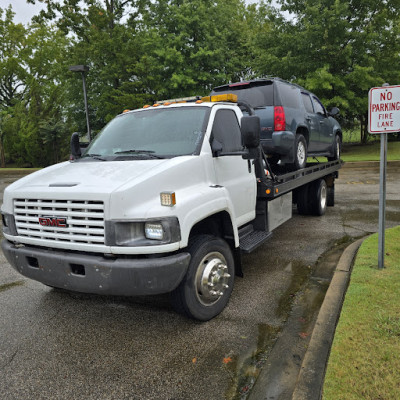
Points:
point(58, 345)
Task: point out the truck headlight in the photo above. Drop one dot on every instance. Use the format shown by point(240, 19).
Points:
point(154, 231)
point(143, 232)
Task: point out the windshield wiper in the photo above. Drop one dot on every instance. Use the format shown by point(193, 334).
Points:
point(95, 156)
point(135, 151)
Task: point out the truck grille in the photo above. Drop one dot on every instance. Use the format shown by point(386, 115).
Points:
point(74, 221)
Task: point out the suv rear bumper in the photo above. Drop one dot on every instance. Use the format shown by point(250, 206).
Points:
point(88, 273)
point(281, 142)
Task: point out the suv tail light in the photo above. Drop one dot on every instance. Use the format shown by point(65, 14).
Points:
point(279, 119)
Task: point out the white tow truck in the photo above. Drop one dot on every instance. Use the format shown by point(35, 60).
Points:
point(165, 199)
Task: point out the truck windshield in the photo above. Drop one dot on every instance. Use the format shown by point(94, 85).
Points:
point(148, 134)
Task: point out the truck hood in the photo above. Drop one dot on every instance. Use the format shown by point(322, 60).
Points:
point(89, 176)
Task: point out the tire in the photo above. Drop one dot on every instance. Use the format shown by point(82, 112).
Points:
point(337, 149)
point(318, 197)
point(303, 202)
point(300, 153)
point(207, 286)
point(330, 201)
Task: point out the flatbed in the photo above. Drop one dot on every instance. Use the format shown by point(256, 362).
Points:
point(282, 182)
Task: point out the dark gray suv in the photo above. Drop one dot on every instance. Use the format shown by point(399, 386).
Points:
point(294, 123)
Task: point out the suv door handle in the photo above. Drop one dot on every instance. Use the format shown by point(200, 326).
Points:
point(321, 122)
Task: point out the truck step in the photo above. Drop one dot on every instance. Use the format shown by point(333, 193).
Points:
point(251, 239)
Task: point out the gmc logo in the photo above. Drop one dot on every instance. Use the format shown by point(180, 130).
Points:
point(59, 222)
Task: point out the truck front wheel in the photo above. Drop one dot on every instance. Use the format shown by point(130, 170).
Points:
point(207, 286)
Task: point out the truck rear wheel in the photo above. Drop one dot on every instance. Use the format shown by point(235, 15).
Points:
point(207, 286)
point(330, 201)
point(303, 201)
point(318, 197)
point(312, 199)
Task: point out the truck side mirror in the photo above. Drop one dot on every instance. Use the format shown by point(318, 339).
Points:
point(250, 128)
point(75, 147)
point(216, 147)
point(334, 112)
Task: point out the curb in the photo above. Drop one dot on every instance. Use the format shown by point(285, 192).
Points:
point(312, 372)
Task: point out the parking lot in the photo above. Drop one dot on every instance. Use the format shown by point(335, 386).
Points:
point(60, 345)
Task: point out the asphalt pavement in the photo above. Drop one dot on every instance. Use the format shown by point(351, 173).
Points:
point(59, 345)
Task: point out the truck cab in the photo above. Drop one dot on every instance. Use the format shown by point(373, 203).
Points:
point(123, 218)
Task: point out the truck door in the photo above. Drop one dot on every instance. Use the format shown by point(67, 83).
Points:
point(231, 171)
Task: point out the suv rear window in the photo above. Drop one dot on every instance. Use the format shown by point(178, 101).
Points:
point(257, 94)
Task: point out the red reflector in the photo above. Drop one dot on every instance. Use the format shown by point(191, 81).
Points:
point(279, 119)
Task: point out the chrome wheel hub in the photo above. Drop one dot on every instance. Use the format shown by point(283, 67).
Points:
point(212, 278)
point(323, 197)
point(301, 153)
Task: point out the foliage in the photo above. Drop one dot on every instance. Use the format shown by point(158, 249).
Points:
point(139, 51)
point(191, 46)
point(337, 49)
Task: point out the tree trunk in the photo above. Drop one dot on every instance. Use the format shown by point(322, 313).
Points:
point(2, 155)
point(364, 128)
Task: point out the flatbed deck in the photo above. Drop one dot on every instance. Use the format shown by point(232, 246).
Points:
point(283, 182)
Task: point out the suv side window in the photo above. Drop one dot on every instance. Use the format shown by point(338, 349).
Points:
point(307, 102)
point(226, 131)
point(319, 108)
point(289, 95)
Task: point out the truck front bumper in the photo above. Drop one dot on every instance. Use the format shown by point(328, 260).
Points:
point(88, 273)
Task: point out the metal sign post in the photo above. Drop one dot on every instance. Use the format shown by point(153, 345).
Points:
point(384, 118)
point(382, 202)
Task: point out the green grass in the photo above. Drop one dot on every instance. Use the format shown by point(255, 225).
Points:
point(17, 170)
point(365, 356)
point(370, 151)
point(351, 135)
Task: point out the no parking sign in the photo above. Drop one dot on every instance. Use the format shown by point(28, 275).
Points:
point(383, 118)
point(384, 109)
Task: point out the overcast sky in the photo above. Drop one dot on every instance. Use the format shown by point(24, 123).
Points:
point(24, 11)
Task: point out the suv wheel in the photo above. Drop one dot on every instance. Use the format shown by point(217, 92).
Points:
point(337, 147)
point(300, 152)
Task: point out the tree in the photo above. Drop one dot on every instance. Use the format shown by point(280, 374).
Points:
point(12, 51)
point(12, 72)
point(192, 46)
point(30, 89)
point(100, 38)
point(339, 50)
